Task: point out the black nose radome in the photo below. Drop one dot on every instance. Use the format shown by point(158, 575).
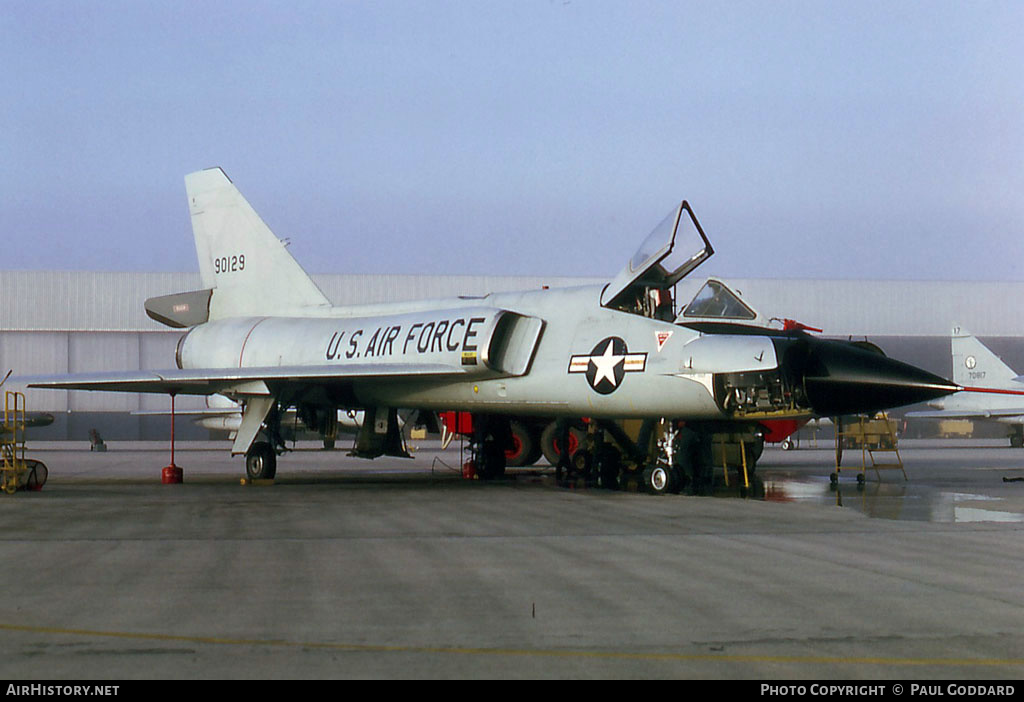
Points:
point(841, 378)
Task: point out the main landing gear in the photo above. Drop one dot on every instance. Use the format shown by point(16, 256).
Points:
point(261, 458)
point(682, 460)
point(492, 440)
point(598, 454)
point(663, 456)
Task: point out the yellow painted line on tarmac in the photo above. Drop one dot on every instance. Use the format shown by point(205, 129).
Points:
point(543, 653)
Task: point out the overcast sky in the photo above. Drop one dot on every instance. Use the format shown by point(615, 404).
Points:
point(813, 139)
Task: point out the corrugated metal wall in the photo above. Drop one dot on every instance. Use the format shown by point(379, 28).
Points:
point(890, 308)
point(112, 302)
point(84, 301)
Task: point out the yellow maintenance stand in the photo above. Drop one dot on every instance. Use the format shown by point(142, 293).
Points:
point(726, 446)
point(17, 471)
point(871, 435)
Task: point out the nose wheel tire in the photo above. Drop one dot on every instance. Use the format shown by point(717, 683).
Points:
point(661, 480)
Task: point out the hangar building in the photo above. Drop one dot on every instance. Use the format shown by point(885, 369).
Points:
point(68, 322)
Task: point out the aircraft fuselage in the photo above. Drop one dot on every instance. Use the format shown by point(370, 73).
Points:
point(523, 354)
point(606, 363)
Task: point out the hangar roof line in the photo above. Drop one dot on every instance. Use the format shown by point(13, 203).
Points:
point(113, 302)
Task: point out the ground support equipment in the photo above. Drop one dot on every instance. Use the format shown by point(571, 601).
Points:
point(16, 471)
point(871, 435)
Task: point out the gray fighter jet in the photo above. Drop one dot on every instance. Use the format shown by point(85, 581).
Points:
point(263, 334)
point(992, 389)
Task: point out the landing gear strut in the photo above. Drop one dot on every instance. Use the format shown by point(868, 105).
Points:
point(682, 460)
point(261, 457)
point(663, 476)
point(492, 438)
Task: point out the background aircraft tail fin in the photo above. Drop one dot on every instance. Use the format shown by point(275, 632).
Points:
point(246, 265)
point(975, 365)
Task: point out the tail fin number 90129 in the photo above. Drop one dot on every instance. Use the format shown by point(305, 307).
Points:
point(229, 264)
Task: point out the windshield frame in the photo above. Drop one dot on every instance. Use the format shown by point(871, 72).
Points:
point(730, 297)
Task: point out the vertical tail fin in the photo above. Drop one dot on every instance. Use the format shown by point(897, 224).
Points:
point(975, 365)
point(246, 265)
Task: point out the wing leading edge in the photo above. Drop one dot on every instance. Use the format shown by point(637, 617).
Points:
point(967, 414)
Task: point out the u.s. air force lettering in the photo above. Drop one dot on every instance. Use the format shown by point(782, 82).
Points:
point(607, 364)
point(423, 337)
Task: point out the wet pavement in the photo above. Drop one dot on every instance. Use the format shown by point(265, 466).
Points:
point(400, 568)
point(941, 481)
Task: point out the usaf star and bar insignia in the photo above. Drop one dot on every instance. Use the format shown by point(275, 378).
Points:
point(606, 366)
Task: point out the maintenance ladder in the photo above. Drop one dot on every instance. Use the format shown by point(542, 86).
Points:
point(12, 443)
point(874, 435)
point(726, 440)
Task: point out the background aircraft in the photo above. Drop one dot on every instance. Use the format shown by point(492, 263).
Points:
point(976, 366)
point(225, 415)
point(263, 334)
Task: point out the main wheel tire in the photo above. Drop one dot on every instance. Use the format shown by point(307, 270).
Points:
point(534, 455)
point(549, 443)
point(37, 475)
point(261, 461)
point(582, 462)
point(526, 450)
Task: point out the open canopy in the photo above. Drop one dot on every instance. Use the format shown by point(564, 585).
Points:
point(662, 260)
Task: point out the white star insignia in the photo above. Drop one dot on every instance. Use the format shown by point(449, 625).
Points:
point(606, 364)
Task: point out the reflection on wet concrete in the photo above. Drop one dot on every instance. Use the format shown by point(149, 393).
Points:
point(946, 484)
point(891, 497)
point(904, 500)
point(949, 481)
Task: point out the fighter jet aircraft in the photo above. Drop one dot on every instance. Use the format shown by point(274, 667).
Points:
point(263, 334)
point(977, 369)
